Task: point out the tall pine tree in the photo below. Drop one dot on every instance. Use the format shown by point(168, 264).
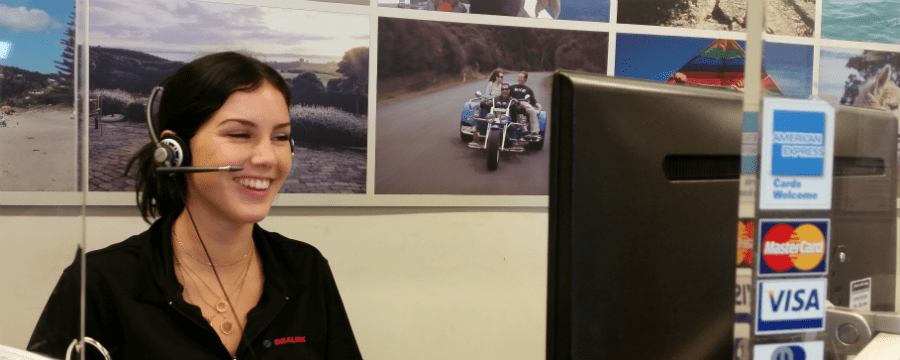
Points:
point(66, 66)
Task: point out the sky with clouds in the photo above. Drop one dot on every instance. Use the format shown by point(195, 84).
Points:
point(30, 31)
point(184, 30)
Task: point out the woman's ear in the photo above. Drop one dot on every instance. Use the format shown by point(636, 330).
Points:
point(165, 133)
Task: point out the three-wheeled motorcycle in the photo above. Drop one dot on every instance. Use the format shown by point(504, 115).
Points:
point(496, 132)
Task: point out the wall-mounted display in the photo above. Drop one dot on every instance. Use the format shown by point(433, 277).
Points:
point(783, 17)
point(324, 57)
point(580, 10)
point(713, 62)
point(38, 128)
point(428, 76)
point(854, 20)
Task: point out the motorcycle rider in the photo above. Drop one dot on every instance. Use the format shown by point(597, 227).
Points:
point(501, 101)
point(531, 107)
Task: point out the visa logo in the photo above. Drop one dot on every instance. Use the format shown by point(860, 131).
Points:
point(797, 304)
point(785, 306)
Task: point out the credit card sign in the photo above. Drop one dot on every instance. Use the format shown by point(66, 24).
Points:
point(786, 306)
point(811, 350)
point(793, 247)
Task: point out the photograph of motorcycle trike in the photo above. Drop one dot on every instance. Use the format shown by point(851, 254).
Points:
point(497, 132)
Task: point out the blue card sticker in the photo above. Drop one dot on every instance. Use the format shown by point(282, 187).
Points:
point(796, 155)
point(798, 143)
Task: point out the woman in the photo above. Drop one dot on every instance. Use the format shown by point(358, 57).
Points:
point(206, 282)
point(494, 83)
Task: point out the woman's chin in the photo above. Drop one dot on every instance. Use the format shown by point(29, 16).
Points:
point(255, 213)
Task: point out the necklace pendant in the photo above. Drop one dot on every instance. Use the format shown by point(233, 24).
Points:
point(221, 306)
point(226, 326)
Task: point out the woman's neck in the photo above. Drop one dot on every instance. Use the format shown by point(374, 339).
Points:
point(226, 242)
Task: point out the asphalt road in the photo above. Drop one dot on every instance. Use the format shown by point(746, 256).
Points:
point(418, 149)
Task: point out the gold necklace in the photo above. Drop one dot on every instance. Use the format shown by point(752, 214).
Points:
point(208, 263)
point(221, 306)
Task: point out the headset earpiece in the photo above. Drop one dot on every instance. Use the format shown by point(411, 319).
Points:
point(173, 151)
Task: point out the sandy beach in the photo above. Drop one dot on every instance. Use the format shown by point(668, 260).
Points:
point(38, 151)
point(783, 17)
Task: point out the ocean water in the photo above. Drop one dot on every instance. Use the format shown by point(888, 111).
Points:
point(585, 10)
point(862, 20)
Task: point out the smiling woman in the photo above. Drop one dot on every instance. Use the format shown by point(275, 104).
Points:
point(166, 293)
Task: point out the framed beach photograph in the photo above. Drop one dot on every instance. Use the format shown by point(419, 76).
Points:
point(324, 57)
point(38, 127)
point(433, 78)
point(783, 17)
point(787, 68)
point(578, 10)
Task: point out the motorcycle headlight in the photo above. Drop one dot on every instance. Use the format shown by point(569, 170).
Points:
point(489, 116)
point(504, 118)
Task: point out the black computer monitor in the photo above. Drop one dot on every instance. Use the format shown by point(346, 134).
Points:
point(643, 216)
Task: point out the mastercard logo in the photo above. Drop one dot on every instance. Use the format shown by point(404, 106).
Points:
point(793, 247)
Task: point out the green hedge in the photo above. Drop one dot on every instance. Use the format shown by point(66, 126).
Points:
point(327, 126)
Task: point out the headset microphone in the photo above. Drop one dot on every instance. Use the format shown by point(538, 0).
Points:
point(193, 169)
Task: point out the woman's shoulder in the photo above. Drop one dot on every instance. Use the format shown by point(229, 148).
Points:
point(285, 245)
point(119, 256)
point(293, 259)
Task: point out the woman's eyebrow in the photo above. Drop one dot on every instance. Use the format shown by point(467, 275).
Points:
point(250, 123)
point(244, 122)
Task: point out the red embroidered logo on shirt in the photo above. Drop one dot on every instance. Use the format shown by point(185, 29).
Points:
point(290, 340)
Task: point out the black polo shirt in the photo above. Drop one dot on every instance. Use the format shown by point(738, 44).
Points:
point(135, 307)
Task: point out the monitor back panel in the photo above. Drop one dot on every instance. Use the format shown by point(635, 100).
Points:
point(643, 215)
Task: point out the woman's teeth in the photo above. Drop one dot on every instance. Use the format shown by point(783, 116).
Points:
point(255, 183)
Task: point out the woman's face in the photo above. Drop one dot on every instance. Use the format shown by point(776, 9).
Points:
point(252, 130)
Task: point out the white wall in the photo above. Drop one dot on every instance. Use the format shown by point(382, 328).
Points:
point(417, 282)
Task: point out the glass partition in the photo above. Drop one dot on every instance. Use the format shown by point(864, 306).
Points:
point(42, 195)
point(817, 227)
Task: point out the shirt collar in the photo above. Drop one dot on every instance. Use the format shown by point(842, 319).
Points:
point(156, 279)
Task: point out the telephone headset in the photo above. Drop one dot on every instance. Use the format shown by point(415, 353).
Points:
point(173, 155)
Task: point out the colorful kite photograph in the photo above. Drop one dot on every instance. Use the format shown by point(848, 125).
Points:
point(719, 63)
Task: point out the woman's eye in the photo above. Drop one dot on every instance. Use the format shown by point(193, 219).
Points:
point(240, 135)
point(283, 138)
